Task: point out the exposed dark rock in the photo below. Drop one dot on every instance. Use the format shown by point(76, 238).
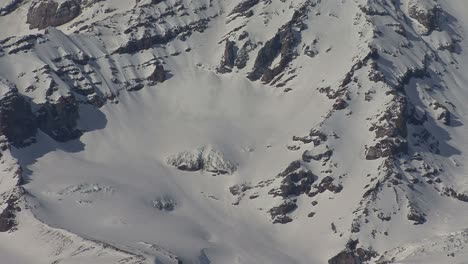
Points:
point(307, 156)
point(305, 139)
point(24, 43)
point(204, 158)
point(244, 6)
point(459, 196)
point(393, 121)
point(9, 7)
point(8, 215)
point(373, 153)
point(282, 219)
point(165, 204)
point(391, 129)
point(49, 13)
point(326, 184)
point(7, 218)
point(297, 180)
point(340, 104)
point(297, 183)
point(279, 213)
point(96, 100)
point(386, 148)
point(353, 255)
point(317, 136)
point(243, 54)
point(425, 15)
point(283, 43)
point(158, 75)
point(239, 188)
point(415, 215)
point(371, 10)
point(229, 56)
point(148, 41)
point(444, 114)
point(243, 35)
point(59, 119)
point(344, 257)
point(17, 122)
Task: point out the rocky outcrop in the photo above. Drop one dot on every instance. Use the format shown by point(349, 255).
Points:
point(415, 215)
point(149, 40)
point(9, 6)
point(297, 180)
point(320, 153)
point(279, 213)
point(244, 6)
point(7, 217)
point(353, 255)
point(442, 113)
point(229, 57)
point(242, 56)
point(52, 13)
point(58, 119)
point(326, 184)
point(390, 130)
point(17, 122)
point(10, 205)
point(283, 44)
point(158, 75)
point(25, 44)
point(165, 203)
point(205, 158)
point(425, 12)
point(387, 147)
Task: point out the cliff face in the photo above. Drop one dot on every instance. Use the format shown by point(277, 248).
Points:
point(244, 131)
point(52, 13)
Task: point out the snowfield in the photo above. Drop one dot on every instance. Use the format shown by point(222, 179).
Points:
point(246, 131)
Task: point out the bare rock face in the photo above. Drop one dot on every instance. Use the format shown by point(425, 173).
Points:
point(158, 75)
point(205, 158)
point(353, 255)
point(283, 44)
point(59, 119)
point(7, 217)
point(9, 6)
point(229, 57)
point(52, 13)
point(279, 213)
point(244, 6)
point(17, 122)
point(10, 207)
point(297, 180)
point(425, 12)
point(415, 215)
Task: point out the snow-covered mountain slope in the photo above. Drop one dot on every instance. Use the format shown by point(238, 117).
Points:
point(246, 131)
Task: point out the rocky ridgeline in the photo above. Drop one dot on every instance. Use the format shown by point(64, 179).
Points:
point(400, 128)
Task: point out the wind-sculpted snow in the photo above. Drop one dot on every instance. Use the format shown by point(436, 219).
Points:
point(336, 131)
